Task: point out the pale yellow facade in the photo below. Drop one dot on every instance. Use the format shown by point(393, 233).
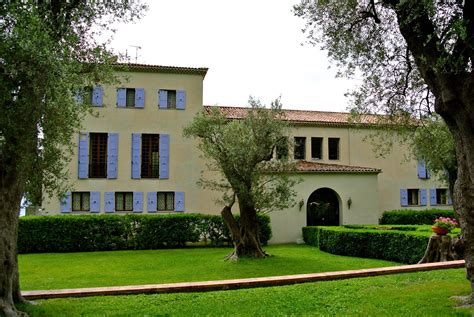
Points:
point(369, 192)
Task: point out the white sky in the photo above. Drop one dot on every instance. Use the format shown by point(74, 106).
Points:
point(251, 47)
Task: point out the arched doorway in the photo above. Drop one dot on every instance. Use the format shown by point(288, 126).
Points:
point(322, 208)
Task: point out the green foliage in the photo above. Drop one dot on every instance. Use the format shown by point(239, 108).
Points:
point(74, 233)
point(414, 217)
point(405, 244)
point(48, 52)
point(242, 152)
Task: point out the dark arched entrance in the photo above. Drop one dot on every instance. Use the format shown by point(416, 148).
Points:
point(322, 208)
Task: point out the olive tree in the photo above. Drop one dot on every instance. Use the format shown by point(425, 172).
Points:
point(242, 152)
point(47, 55)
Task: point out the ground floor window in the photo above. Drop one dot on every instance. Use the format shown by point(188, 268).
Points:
point(165, 201)
point(124, 201)
point(413, 197)
point(441, 196)
point(80, 201)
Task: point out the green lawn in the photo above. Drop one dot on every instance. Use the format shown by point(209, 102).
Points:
point(93, 269)
point(414, 294)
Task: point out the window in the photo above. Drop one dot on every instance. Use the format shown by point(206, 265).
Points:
point(150, 166)
point(165, 201)
point(124, 201)
point(316, 148)
point(171, 99)
point(413, 197)
point(98, 155)
point(281, 149)
point(333, 148)
point(80, 201)
point(441, 196)
point(130, 98)
point(300, 148)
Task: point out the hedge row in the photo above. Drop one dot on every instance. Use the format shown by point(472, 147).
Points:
point(76, 233)
point(414, 217)
point(397, 244)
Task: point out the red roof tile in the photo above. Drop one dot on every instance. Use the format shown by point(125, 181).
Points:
point(131, 67)
point(301, 116)
point(315, 167)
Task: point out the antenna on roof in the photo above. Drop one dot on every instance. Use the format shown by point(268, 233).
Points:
point(136, 51)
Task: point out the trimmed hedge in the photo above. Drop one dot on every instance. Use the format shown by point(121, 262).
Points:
point(79, 233)
point(414, 217)
point(405, 244)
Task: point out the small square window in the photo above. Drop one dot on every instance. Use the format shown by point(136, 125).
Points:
point(333, 148)
point(300, 148)
point(413, 197)
point(281, 149)
point(316, 148)
point(80, 201)
point(165, 201)
point(124, 201)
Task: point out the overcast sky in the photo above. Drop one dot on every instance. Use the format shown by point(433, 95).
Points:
point(251, 47)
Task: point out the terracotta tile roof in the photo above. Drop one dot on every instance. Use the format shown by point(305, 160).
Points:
point(131, 67)
point(315, 167)
point(302, 116)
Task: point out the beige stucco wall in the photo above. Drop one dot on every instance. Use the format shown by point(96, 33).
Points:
point(371, 193)
point(185, 164)
point(361, 188)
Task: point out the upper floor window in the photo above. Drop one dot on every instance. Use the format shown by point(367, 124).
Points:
point(91, 95)
point(150, 167)
point(171, 99)
point(300, 148)
point(316, 148)
point(333, 148)
point(130, 97)
point(98, 155)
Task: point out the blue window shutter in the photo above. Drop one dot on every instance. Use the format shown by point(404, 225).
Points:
point(136, 155)
point(162, 99)
point(450, 200)
point(95, 201)
point(181, 99)
point(97, 96)
point(404, 197)
point(164, 156)
point(151, 201)
point(78, 97)
point(423, 197)
point(66, 203)
point(433, 197)
point(109, 202)
point(121, 97)
point(83, 156)
point(421, 168)
point(139, 98)
point(112, 155)
point(137, 201)
point(179, 201)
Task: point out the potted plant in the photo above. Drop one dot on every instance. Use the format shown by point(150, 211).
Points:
point(444, 225)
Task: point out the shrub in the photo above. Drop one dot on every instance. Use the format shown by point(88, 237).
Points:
point(76, 233)
point(387, 243)
point(414, 217)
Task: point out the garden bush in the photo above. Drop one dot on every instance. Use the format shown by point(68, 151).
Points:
point(405, 244)
point(77, 233)
point(414, 217)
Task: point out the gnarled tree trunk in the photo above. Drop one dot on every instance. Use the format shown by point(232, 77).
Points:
point(10, 199)
point(244, 236)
